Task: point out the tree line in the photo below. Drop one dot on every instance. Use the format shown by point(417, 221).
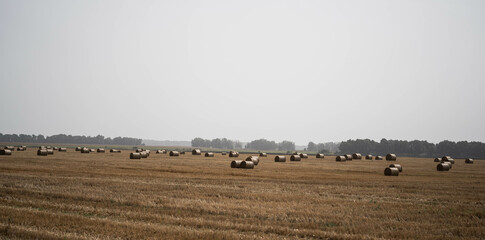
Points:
point(223, 143)
point(416, 148)
point(63, 138)
point(263, 144)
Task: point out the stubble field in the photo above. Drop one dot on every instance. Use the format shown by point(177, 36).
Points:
point(108, 196)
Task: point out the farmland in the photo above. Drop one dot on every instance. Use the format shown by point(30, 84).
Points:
point(108, 196)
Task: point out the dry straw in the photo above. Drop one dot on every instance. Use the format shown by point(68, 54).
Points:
point(398, 166)
point(357, 156)
point(280, 159)
point(391, 157)
point(247, 164)
point(5, 152)
point(390, 171)
point(254, 159)
point(209, 154)
point(340, 159)
point(174, 154)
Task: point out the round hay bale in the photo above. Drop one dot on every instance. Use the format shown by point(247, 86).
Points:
point(437, 160)
point(42, 147)
point(446, 158)
point(160, 151)
point(92, 150)
point(55, 148)
point(62, 149)
point(348, 157)
point(449, 163)
point(135, 155)
point(84, 150)
point(368, 157)
point(391, 157)
point(247, 164)
point(263, 154)
point(174, 154)
point(379, 158)
point(303, 155)
point(320, 155)
point(78, 149)
point(233, 154)
point(100, 150)
point(5, 152)
point(143, 154)
point(11, 148)
point(340, 159)
point(209, 154)
point(444, 166)
point(254, 159)
point(223, 153)
point(138, 150)
point(115, 151)
point(20, 149)
point(50, 151)
point(42, 152)
point(280, 159)
point(295, 158)
point(469, 161)
point(196, 152)
point(398, 166)
point(236, 163)
point(391, 171)
point(357, 156)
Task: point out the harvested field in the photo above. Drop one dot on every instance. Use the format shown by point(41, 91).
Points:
point(70, 195)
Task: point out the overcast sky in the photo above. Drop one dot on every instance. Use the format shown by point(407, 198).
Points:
point(281, 70)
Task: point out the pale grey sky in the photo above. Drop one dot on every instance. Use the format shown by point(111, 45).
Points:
point(297, 70)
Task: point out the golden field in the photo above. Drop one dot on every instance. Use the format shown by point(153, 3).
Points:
point(108, 196)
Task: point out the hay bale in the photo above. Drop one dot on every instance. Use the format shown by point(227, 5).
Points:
point(391, 157)
point(114, 151)
point(209, 154)
point(55, 148)
point(139, 150)
point(254, 159)
point(391, 171)
point(21, 148)
point(303, 155)
point(340, 159)
point(233, 154)
point(196, 152)
point(263, 154)
point(182, 152)
point(449, 163)
point(174, 154)
point(5, 152)
point(320, 155)
point(437, 160)
point(42, 152)
point(378, 158)
point(398, 166)
point(50, 151)
point(247, 164)
point(357, 156)
point(92, 150)
point(11, 148)
point(223, 153)
point(161, 151)
point(280, 159)
point(144, 154)
point(444, 166)
point(135, 155)
point(348, 157)
point(100, 150)
point(448, 159)
point(469, 161)
point(42, 147)
point(236, 163)
point(295, 158)
point(62, 149)
point(368, 157)
point(78, 149)
point(85, 150)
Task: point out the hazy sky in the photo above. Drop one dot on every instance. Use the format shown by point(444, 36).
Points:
point(297, 70)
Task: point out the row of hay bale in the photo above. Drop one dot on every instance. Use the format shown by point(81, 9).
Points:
point(358, 156)
point(139, 154)
point(249, 163)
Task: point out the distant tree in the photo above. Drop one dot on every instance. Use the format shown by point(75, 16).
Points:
point(286, 146)
point(312, 147)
